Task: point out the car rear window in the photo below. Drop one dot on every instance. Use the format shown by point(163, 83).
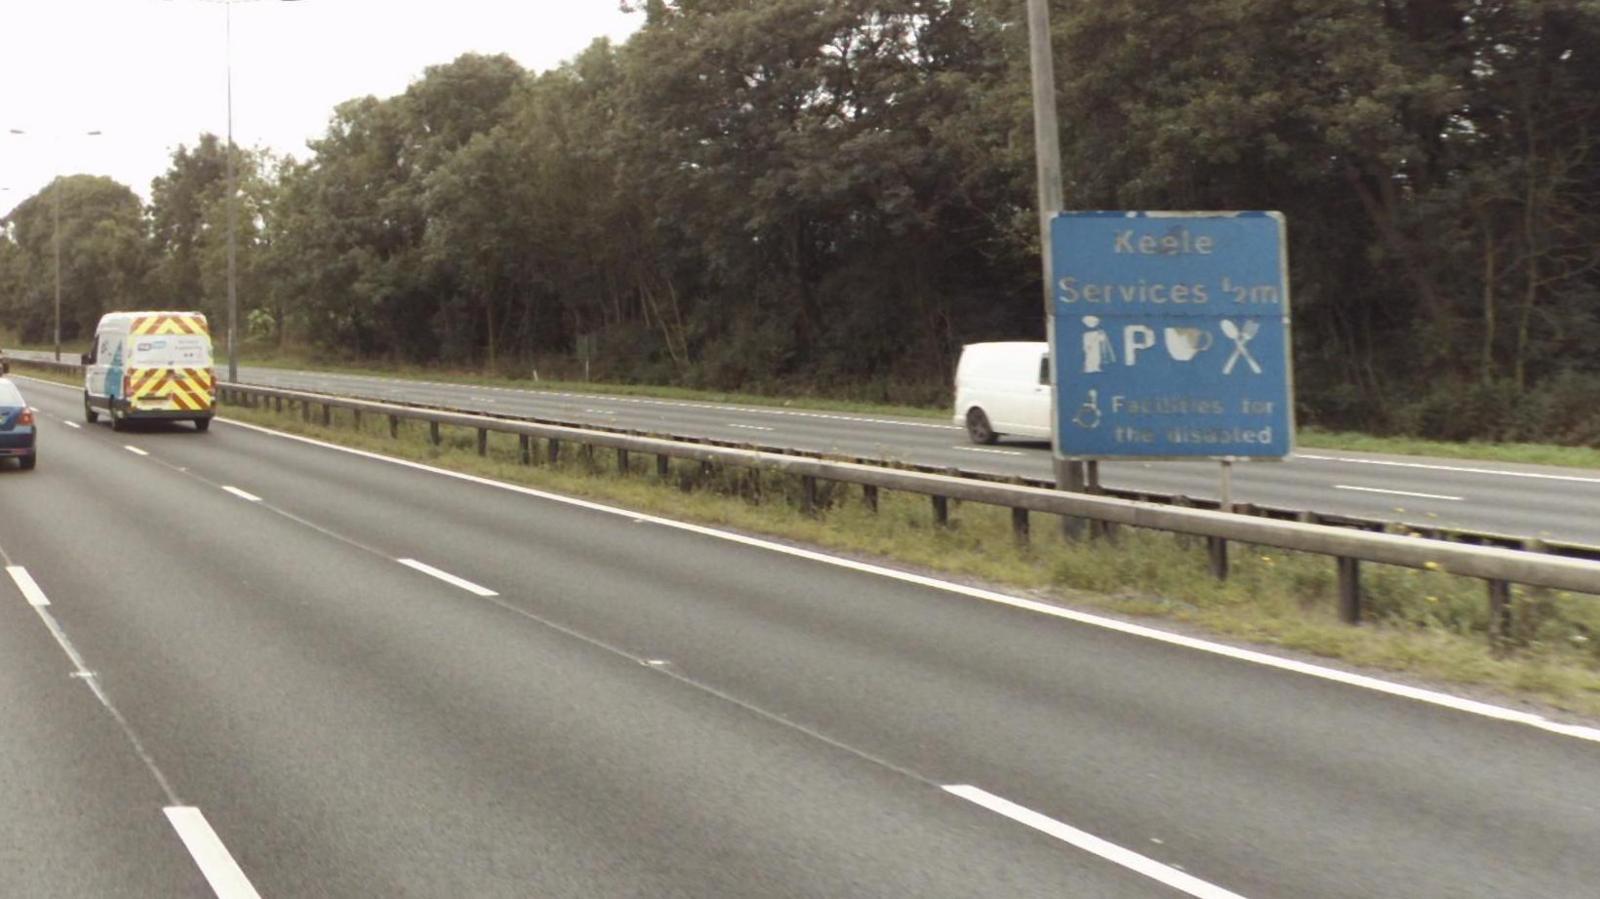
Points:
point(9, 394)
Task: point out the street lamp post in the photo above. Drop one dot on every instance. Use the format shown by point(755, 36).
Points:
point(233, 196)
point(55, 202)
point(233, 206)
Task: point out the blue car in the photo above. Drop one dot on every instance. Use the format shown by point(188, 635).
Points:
point(18, 436)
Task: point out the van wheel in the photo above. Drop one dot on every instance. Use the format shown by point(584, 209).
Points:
point(117, 421)
point(978, 427)
point(89, 415)
point(202, 424)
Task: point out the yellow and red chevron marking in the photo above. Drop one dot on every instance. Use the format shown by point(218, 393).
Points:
point(140, 380)
point(193, 390)
point(169, 323)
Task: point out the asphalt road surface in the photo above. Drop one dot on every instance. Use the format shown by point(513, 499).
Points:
point(240, 664)
point(1526, 501)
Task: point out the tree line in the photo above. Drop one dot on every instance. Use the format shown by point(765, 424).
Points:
point(832, 196)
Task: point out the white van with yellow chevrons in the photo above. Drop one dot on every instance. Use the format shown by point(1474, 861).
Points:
point(150, 365)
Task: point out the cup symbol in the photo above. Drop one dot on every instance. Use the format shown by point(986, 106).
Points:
point(1184, 344)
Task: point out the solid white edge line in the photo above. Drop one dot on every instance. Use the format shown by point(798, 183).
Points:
point(244, 495)
point(1362, 681)
point(997, 452)
point(1088, 842)
point(30, 589)
point(1460, 469)
point(447, 577)
point(1397, 492)
point(135, 450)
point(205, 847)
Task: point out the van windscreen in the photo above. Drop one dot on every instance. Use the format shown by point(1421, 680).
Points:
point(187, 350)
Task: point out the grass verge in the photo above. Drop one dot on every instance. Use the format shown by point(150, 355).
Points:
point(1425, 624)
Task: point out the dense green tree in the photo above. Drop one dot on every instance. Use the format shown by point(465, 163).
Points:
point(836, 194)
point(104, 257)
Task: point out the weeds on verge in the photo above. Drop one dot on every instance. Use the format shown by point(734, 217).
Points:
point(1425, 623)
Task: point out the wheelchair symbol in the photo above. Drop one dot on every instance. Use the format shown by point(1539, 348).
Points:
point(1088, 416)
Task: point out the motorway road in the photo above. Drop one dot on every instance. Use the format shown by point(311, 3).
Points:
point(310, 672)
point(1557, 504)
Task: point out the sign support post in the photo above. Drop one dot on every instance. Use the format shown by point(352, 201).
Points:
point(1069, 473)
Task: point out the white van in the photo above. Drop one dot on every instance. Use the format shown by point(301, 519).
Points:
point(1004, 388)
point(150, 365)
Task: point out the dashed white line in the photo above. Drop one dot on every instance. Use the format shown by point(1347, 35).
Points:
point(246, 496)
point(1088, 842)
point(1455, 499)
point(30, 589)
point(221, 871)
point(40, 604)
point(1267, 660)
point(135, 450)
point(749, 427)
point(72, 424)
point(447, 577)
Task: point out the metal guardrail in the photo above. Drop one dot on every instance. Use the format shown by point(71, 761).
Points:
point(1499, 567)
point(1264, 510)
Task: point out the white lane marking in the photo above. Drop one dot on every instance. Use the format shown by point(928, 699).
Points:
point(218, 866)
point(72, 424)
point(749, 427)
point(1088, 842)
point(40, 603)
point(135, 450)
point(1579, 479)
point(248, 497)
point(30, 589)
point(1455, 499)
point(447, 577)
point(1362, 681)
point(997, 452)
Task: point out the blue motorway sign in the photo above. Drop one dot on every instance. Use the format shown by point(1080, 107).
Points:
point(1171, 335)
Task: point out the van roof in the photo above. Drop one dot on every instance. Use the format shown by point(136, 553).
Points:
point(154, 323)
point(115, 317)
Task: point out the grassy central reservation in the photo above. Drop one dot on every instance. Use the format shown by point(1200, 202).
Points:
point(1429, 625)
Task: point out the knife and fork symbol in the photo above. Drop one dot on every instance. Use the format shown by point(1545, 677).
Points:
point(1240, 337)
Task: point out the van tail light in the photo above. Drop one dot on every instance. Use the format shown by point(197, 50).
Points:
point(26, 418)
point(127, 385)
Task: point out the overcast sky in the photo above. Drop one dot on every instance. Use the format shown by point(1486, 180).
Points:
point(151, 74)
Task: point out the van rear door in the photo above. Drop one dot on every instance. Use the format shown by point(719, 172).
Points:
point(171, 372)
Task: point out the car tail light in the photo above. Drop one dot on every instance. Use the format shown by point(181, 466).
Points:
point(26, 418)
